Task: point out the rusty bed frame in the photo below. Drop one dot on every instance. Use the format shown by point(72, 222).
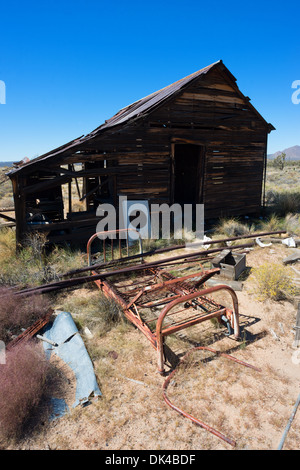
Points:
point(160, 304)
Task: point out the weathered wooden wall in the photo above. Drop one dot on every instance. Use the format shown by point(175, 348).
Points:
point(137, 158)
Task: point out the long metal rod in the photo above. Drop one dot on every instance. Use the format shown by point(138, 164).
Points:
point(84, 279)
point(175, 247)
point(289, 424)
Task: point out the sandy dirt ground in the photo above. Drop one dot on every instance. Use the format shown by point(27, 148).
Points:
point(248, 406)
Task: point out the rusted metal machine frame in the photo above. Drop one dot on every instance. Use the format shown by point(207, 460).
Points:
point(183, 295)
point(187, 415)
point(233, 317)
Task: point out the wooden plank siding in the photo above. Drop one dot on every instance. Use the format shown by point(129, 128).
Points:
point(138, 159)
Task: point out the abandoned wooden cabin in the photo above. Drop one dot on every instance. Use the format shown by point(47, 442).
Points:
point(198, 140)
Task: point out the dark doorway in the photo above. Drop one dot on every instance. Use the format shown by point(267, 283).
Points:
point(188, 173)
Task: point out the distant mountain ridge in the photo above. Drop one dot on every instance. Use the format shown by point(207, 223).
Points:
point(292, 153)
point(5, 164)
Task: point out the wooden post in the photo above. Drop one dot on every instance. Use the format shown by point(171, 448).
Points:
point(70, 191)
point(20, 214)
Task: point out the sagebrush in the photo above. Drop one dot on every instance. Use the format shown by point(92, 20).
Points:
point(273, 281)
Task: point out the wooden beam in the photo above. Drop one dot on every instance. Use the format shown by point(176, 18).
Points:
point(6, 217)
point(70, 194)
point(20, 213)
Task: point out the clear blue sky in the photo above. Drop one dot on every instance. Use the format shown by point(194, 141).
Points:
point(69, 65)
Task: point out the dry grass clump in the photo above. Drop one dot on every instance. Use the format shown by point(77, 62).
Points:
point(7, 244)
point(232, 227)
point(33, 265)
point(271, 224)
point(23, 268)
point(63, 259)
point(24, 379)
point(91, 309)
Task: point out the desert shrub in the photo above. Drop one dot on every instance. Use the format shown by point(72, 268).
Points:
point(32, 265)
point(23, 382)
point(279, 161)
point(283, 202)
point(17, 313)
point(272, 281)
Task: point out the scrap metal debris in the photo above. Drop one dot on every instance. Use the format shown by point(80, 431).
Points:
point(30, 332)
point(295, 256)
point(290, 242)
point(289, 424)
point(261, 244)
point(159, 303)
point(71, 349)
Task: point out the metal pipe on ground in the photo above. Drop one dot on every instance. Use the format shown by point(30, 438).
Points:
point(289, 424)
point(55, 286)
point(171, 248)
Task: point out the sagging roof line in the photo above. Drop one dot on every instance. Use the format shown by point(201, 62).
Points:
point(134, 111)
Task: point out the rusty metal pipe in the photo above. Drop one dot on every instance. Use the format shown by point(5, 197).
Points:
point(153, 252)
point(81, 280)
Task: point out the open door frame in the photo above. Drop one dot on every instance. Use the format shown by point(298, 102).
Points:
point(200, 171)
